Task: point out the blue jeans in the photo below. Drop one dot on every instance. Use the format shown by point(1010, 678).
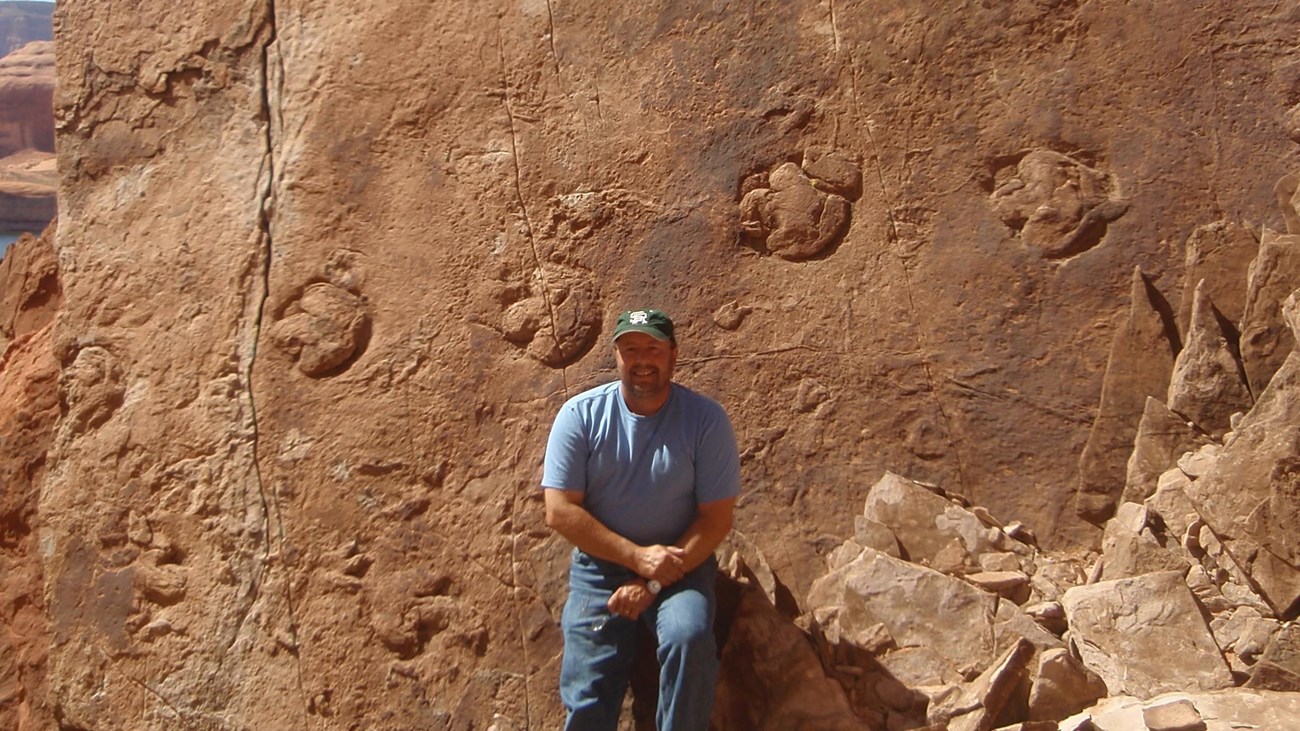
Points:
point(599, 648)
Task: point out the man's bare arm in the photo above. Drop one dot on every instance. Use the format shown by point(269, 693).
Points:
point(711, 525)
point(566, 515)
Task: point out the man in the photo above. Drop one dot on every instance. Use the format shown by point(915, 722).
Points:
point(641, 475)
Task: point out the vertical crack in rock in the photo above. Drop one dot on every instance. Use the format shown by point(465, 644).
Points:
point(519, 613)
point(895, 242)
point(555, 55)
point(835, 34)
point(272, 73)
point(523, 205)
point(555, 334)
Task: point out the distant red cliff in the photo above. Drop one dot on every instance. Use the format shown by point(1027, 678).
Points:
point(27, 177)
point(27, 99)
point(24, 22)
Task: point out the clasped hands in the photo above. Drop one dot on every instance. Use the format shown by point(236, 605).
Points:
point(665, 564)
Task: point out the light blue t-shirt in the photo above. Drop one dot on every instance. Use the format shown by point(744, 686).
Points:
point(643, 476)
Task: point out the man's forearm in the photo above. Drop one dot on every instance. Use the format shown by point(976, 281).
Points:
point(705, 533)
point(566, 515)
point(590, 535)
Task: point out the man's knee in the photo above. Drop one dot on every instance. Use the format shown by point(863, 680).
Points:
point(690, 632)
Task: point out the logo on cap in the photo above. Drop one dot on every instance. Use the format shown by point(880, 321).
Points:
point(639, 317)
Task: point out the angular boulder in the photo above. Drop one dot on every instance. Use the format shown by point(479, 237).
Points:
point(1130, 546)
point(1141, 360)
point(1231, 709)
point(1162, 437)
point(1250, 498)
point(927, 525)
point(1145, 636)
point(1279, 668)
point(1208, 383)
point(877, 590)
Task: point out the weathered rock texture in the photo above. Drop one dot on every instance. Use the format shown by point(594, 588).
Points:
point(1144, 636)
point(1265, 339)
point(29, 407)
point(329, 273)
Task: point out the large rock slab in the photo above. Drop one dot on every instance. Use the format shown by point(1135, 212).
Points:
point(1145, 636)
point(1062, 686)
point(1141, 361)
point(1218, 255)
point(772, 678)
point(1279, 668)
point(30, 292)
point(1265, 339)
point(1162, 437)
point(1131, 545)
point(879, 590)
point(977, 706)
point(926, 524)
point(1208, 384)
point(1223, 710)
point(1250, 496)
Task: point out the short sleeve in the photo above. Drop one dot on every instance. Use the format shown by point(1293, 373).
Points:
point(717, 463)
point(565, 465)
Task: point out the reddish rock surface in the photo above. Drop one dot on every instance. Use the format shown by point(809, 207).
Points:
point(29, 408)
point(327, 277)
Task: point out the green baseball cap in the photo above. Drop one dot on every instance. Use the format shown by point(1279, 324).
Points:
point(651, 322)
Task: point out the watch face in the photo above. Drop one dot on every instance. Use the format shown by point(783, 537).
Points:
point(653, 586)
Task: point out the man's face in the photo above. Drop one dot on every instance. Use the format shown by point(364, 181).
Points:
point(645, 364)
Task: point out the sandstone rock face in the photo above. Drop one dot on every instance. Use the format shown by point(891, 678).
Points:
point(875, 588)
point(328, 274)
point(1218, 255)
point(1133, 548)
point(773, 678)
point(1063, 686)
point(929, 528)
point(1265, 338)
point(29, 378)
point(1250, 496)
point(1279, 668)
point(30, 292)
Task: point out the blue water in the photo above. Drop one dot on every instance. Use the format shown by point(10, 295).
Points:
point(6, 238)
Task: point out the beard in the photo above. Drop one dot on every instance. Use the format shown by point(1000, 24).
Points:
point(645, 382)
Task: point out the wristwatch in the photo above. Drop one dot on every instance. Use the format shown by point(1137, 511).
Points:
point(654, 586)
